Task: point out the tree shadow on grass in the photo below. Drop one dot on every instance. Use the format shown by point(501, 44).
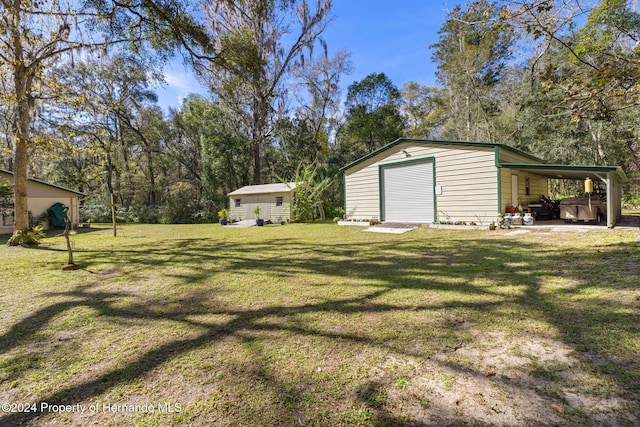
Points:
point(241, 322)
point(383, 271)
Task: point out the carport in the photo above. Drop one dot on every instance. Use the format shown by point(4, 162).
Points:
point(611, 176)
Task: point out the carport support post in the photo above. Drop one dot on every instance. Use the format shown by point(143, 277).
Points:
point(612, 216)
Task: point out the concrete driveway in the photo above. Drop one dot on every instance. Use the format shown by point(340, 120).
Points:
point(245, 223)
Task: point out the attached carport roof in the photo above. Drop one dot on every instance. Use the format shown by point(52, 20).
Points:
point(577, 172)
point(612, 175)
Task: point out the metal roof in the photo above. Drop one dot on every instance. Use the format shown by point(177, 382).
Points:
point(578, 172)
point(554, 171)
point(47, 184)
point(443, 142)
point(265, 189)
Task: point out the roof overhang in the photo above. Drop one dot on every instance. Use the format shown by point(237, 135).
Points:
point(48, 184)
point(265, 189)
point(576, 172)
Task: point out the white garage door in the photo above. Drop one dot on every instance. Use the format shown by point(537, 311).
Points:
point(408, 192)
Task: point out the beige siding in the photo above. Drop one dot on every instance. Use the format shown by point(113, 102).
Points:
point(538, 186)
point(38, 206)
point(268, 208)
point(41, 197)
point(508, 156)
point(5, 178)
point(6, 229)
point(467, 176)
point(237, 213)
point(281, 213)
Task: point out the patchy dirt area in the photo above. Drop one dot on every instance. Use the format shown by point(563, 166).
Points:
point(496, 380)
point(629, 221)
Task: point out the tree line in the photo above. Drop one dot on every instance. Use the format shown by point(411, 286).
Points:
point(559, 79)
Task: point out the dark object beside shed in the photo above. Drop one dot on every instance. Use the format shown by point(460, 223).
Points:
point(57, 213)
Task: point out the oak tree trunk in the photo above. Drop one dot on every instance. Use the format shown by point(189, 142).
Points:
point(24, 104)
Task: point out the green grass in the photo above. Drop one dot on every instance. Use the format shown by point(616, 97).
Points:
point(321, 325)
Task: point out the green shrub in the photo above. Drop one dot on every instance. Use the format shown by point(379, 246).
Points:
point(334, 212)
point(631, 201)
point(307, 196)
point(223, 214)
point(31, 237)
point(148, 215)
point(95, 213)
point(102, 213)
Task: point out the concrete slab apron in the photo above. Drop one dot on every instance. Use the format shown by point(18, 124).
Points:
point(246, 223)
point(390, 230)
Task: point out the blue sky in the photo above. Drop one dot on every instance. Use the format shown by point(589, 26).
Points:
point(386, 36)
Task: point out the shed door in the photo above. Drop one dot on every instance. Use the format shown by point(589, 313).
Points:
point(261, 200)
point(408, 192)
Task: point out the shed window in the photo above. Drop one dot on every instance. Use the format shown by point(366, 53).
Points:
point(279, 201)
point(238, 203)
point(7, 219)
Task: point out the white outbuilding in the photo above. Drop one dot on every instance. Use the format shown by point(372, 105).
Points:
point(40, 197)
point(275, 201)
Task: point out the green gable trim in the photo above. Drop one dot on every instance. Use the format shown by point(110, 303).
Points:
point(441, 142)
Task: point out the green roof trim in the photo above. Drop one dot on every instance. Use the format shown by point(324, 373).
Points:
point(47, 184)
point(441, 142)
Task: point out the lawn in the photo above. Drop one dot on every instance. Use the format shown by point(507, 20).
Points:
point(320, 325)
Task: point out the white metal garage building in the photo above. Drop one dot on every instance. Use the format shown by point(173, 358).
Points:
point(426, 181)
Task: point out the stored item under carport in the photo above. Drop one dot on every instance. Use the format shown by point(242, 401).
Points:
point(585, 209)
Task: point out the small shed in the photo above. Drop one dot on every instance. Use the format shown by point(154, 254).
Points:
point(430, 181)
point(40, 197)
point(274, 200)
